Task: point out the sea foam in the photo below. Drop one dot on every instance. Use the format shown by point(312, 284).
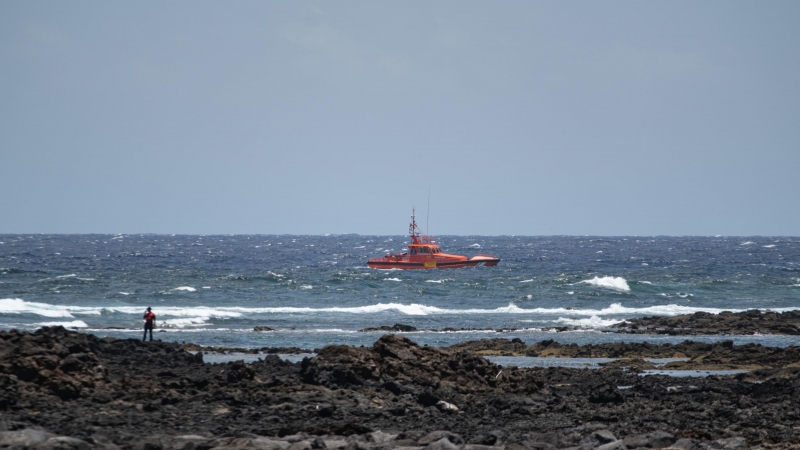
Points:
point(591, 322)
point(195, 313)
point(73, 324)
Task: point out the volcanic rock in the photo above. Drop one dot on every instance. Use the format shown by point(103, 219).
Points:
point(124, 394)
point(725, 323)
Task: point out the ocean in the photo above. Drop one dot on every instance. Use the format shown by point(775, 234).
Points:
point(317, 290)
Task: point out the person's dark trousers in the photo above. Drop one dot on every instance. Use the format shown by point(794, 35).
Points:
point(146, 327)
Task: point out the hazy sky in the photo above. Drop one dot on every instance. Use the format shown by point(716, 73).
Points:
point(527, 118)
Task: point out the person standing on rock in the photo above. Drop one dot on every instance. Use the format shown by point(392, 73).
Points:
point(149, 323)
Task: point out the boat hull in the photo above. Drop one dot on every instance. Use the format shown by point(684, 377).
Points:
point(383, 263)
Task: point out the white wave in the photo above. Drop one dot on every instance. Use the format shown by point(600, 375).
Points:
point(206, 287)
point(526, 281)
point(306, 286)
point(73, 324)
point(275, 274)
point(616, 283)
point(413, 309)
point(72, 275)
point(125, 293)
point(645, 264)
point(475, 246)
point(19, 306)
point(683, 295)
point(591, 322)
point(437, 281)
point(529, 296)
point(768, 246)
point(645, 282)
point(392, 279)
point(184, 288)
point(362, 246)
point(571, 292)
point(184, 322)
point(747, 243)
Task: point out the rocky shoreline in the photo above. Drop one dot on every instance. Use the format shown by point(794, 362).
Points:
point(66, 390)
point(749, 322)
point(725, 323)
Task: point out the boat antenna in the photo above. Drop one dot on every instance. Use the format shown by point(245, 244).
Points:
point(428, 218)
point(413, 225)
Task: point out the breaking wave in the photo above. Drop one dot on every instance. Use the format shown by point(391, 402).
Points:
point(591, 322)
point(616, 283)
point(184, 288)
point(170, 313)
point(73, 324)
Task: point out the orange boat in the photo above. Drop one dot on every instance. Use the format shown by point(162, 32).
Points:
point(424, 253)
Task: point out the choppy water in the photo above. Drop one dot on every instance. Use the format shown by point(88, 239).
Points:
point(317, 290)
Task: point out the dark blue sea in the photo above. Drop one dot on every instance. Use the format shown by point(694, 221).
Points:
point(318, 290)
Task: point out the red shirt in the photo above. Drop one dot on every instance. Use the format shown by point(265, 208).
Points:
point(149, 317)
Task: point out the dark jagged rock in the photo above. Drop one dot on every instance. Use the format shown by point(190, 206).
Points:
point(262, 328)
point(722, 355)
point(90, 393)
point(252, 351)
point(725, 323)
point(400, 328)
point(396, 328)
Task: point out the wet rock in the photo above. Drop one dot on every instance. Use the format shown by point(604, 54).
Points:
point(262, 329)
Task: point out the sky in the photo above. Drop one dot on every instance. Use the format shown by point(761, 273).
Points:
point(317, 117)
